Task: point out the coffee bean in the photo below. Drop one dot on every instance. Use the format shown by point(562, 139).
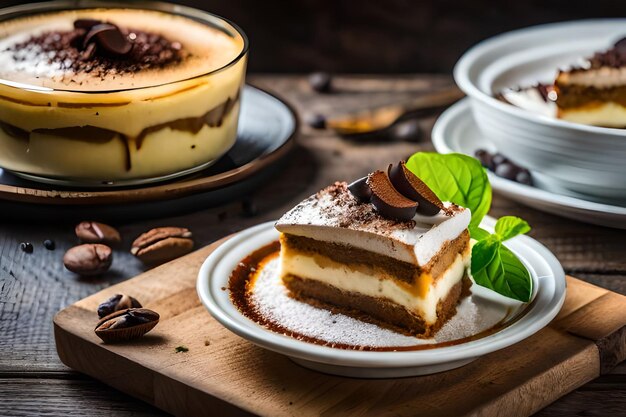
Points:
point(162, 244)
point(88, 259)
point(485, 158)
point(507, 170)
point(524, 177)
point(127, 324)
point(316, 121)
point(49, 244)
point(498, 159)
point(321, 82)
point(116, 303)
point(94, 232)
point(407, 131)
point(26, 247)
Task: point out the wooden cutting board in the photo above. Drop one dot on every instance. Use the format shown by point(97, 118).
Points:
point(222, 374)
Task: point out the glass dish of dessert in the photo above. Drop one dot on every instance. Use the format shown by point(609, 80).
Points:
point(98, 92)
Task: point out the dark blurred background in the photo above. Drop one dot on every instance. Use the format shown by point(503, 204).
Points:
point(399, 36)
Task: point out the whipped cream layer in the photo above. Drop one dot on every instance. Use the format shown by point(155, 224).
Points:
point(205, 49)
point(335, 215)
point(343, 277)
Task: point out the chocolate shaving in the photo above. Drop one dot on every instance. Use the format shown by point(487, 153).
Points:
point(115, 50)
point(387, 200)
point(410, 186)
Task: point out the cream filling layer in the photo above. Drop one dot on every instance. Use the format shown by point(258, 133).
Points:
point(345, 278)
point(608, 114)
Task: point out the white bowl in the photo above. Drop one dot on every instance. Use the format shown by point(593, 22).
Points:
point(581, 158)
point(548, 297)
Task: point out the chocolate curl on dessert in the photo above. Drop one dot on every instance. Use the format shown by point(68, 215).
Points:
point(361, 190)
point(387, 200)
point(104, 36)
point(410, 186)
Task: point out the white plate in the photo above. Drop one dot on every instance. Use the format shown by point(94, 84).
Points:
point(457, 131)
point(549, 294)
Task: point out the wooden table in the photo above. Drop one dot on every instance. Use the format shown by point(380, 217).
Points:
point(33, 287)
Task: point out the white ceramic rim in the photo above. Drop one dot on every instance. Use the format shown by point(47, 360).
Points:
point(468, 60)
point(544, 308)
point(456, 111)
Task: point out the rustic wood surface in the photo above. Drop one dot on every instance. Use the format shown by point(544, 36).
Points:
point(585, 340)
point(33, 287)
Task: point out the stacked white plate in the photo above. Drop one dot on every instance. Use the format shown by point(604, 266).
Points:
point(579, 171)
point(588, 160)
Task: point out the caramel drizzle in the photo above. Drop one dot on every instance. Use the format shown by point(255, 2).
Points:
point(213, 118)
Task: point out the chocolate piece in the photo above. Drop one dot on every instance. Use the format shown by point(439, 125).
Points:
point(321, 82)
point(387, 200)
point(523, 177)
point(410, 186)
point(86, 23)
point(109, 38)
point(507, 170)
point(361, 190)
point(317, 121)
point(26, 247)
point(485, 158)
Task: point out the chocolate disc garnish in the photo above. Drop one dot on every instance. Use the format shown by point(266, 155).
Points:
point(361, 190)
point(410, 186)
point(109, 38)
point(86, 23)
point(387, 200)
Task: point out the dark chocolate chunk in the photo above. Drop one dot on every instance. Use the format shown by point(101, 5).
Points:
point(387, 201)
point(485, 158)
point(26, 247)
point(410, 186)
point(317, 121)
point(498, 159)
point(507, 170)
point(361, 190)
point(524, 177)
point(86, 23)
point(321, 82)
point(109, 38)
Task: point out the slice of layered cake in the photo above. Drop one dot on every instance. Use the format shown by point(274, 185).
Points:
point(383, 249)
point(595, 94)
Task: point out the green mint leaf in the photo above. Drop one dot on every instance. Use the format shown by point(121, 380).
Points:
point(480, 234)
point(495, 267)
point(458, 178)
point(511, 226)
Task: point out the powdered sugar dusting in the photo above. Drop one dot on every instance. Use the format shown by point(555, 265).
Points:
point(271, 299)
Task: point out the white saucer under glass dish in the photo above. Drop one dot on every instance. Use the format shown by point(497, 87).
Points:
point(581, 158)
point(519, 320)
point(457, 131)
